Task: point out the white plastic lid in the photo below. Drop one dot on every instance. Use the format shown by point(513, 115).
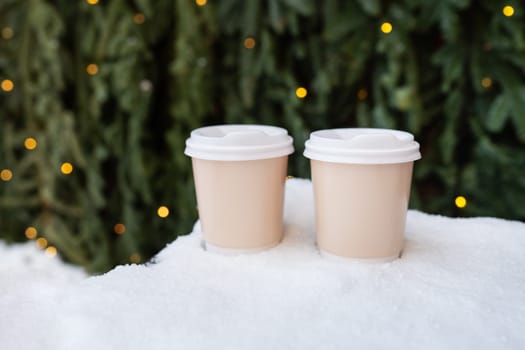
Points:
point(238, 142)
point(362, 146)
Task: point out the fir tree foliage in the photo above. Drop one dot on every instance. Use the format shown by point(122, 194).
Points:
point(114, 88)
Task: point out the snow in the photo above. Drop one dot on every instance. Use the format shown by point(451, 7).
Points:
point(459, 284)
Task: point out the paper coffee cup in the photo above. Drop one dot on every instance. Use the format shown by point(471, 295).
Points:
point(361, 179)
point(239, 173)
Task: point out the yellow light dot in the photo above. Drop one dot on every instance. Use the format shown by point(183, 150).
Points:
point(486, 82)
point(41, 243)
point(92, 69)
point(301, 92)
point(7, 33)
point(201, 2)
point(362, 94)
point(289, 177)
point(119, 229)
point(30, 143)
point(135, 258)
point(461, 202)
point(6, 175)
point(139, 18)
point(66, 168)
point(508, 11)
point(249, 43)
point(163, 211)
point(31, 232)
point(51, 251)
point(386, 27)
point(92, 2)
point(7, 85)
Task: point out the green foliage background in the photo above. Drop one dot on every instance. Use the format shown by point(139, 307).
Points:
point(186, 66)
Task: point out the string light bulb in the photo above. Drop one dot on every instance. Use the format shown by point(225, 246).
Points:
point(6, 175)
point(41, 243)
point(249, 43)
point(31, 232)
point(460, 201)
point(386, 27)
point(201, 2)
point(163, 211)
point(139, 18)
point(508, 11)
point(30, 143)
point(301, 92)
point(486, 82)
point(51, 251)
point(135, 258)
point(119, 229)
point(7, 33)
point(7, 85)
point(91, 69)
point(362, 94)
point(92, 2)
point(66, 168)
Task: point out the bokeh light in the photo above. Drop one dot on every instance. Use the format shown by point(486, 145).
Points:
point(51, 251)
point(301, 92)
point(41, 243)
point(7, 85)
point(7, 33)
point(30, 143)
point(6, 175)
point(119, 228)
point(508, 11)
point(386, 27)
point(461, 202)
point(163, 211)
point(139, 18)
point(92, 69)
point(249, 43)
point(66, 168)
point(31, 232)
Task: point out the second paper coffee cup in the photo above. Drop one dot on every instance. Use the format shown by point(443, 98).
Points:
point(361, 179)
point(239, 173)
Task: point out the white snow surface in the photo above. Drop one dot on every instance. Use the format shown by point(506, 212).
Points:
point(460, 284)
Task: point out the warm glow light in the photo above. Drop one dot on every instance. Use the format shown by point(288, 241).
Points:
point(7, 85)
point(92, 69)
point(6, 175)
point(51, 251)
point(135, 258)
point(163, 211)
point(201, 2)
point(362, 94)
point(7, 33)
point(508, 11)
point(92, 2)
point(31, 232)
point(249, 43)
point(461, 202)
point(41, 243)
point(119, 228)
point(386, 27)
point(486, 82)
point(289, 177)
point(30, 143)
point(66, 168)
point(139, 18)
point(301, 92)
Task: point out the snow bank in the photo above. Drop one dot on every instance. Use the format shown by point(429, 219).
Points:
point(460, 284)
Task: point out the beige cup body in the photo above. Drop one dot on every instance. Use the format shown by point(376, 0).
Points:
point(361, 208)
point(240, 203)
